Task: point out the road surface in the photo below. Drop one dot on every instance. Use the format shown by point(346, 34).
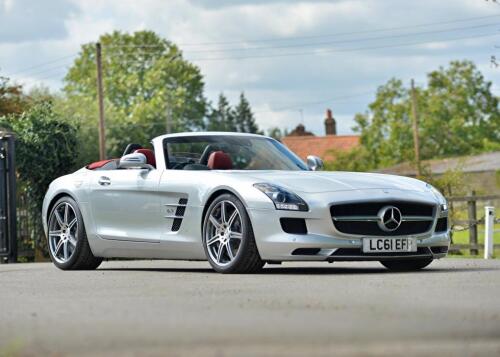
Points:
point(157, 308)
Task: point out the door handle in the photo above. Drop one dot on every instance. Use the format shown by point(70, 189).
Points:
point(104, 181)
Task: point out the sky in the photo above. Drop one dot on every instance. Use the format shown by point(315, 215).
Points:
point(292, 59)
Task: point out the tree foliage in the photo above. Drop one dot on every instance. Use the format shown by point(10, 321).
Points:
point(12, 99)
point(144, 75)
point(46, 147)
point(226, 118)
point(458, 115)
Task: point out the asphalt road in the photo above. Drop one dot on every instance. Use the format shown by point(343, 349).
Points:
point(182, 308)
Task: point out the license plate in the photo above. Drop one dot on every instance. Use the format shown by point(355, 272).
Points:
point(389, 245)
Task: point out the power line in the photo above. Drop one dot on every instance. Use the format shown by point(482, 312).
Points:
point(299, 105)
point(340, 50)
point(342, 33)
point(43, 64)
point(346, 41)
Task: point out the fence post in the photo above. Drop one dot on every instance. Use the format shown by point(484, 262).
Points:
point(471, 208)
point(489, 219)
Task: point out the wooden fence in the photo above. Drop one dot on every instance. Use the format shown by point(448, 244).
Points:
point(472, 222)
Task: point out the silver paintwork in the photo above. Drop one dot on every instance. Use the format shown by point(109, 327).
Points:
point(131, 214)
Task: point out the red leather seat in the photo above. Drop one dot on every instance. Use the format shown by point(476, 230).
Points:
point(219, 160)
point(150, 156)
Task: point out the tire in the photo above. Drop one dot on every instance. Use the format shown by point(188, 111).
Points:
point(229, 243)
point(406, 265)
point(67, 241)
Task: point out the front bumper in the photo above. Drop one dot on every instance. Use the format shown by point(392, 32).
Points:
point(276, 245)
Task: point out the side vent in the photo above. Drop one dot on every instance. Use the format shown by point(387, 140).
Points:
point(179, 213)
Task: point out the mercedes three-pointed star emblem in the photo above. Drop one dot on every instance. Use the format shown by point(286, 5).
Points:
point(390, 218)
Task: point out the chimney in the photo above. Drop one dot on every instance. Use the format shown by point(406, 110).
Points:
point(330, 125)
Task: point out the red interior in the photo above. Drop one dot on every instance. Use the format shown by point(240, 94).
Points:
point(98, 164)
point(150, 156)
point(219, 160)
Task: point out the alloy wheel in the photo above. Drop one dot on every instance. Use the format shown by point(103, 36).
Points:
point(223, 234)
point(63, 232)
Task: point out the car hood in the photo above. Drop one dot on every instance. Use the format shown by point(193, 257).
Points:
point(318, 182)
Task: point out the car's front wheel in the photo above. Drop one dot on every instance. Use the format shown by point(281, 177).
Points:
point(68, 245)
point(228, 237)
point(406, 265)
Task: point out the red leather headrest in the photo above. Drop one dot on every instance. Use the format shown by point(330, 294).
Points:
point(219, 160)
point(150, 156)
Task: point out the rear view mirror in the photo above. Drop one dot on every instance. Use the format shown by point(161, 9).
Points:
point(314, 163)
point(134, 161)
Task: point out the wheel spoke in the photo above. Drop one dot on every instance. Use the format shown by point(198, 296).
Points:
point(214, 221)
point(214, 239)
point(72, 240)
point(235, 235)
point(223, 212)
point(55, 233)
point(232, 218)
point(58, 218)
point(229, 251)
point(58, 246)
point(65, 250)
point(219, 252)
point(72, 223)
point(66, 213)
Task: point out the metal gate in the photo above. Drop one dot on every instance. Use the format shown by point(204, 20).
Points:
point(8, 221)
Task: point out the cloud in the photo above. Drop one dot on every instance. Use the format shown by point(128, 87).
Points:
point(24, 20)
point(314, 52)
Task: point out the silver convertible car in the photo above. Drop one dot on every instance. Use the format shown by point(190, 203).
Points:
point(239, 201)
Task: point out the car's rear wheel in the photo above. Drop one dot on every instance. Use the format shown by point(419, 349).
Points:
point(68, 245)
point(406, 265)
point(228, 237)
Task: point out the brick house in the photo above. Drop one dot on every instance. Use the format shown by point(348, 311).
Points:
point(305, 143)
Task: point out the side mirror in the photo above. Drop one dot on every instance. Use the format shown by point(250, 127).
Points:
point(314, 163)
point(134, 161)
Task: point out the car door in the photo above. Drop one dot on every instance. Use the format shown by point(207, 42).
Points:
point(125, 204)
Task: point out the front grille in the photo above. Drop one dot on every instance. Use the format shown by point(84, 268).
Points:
point(362, 218)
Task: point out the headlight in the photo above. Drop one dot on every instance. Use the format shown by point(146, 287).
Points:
point(443, 204)
point(282, 199)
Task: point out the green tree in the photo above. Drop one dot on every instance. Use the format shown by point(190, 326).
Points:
point(221, 118)
point(46, 147)
point(12, 99)
point(143, 76)
point(244, 118)
point(459, 115)
point(277, 133)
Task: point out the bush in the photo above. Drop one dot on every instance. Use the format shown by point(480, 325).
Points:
point(46, 147)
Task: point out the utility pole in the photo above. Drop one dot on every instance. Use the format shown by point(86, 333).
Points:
point(416, 141)
point(100, 98)
point(168, 112)
point(169, 100)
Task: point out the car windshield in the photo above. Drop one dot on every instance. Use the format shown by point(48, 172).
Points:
point(245, 152)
